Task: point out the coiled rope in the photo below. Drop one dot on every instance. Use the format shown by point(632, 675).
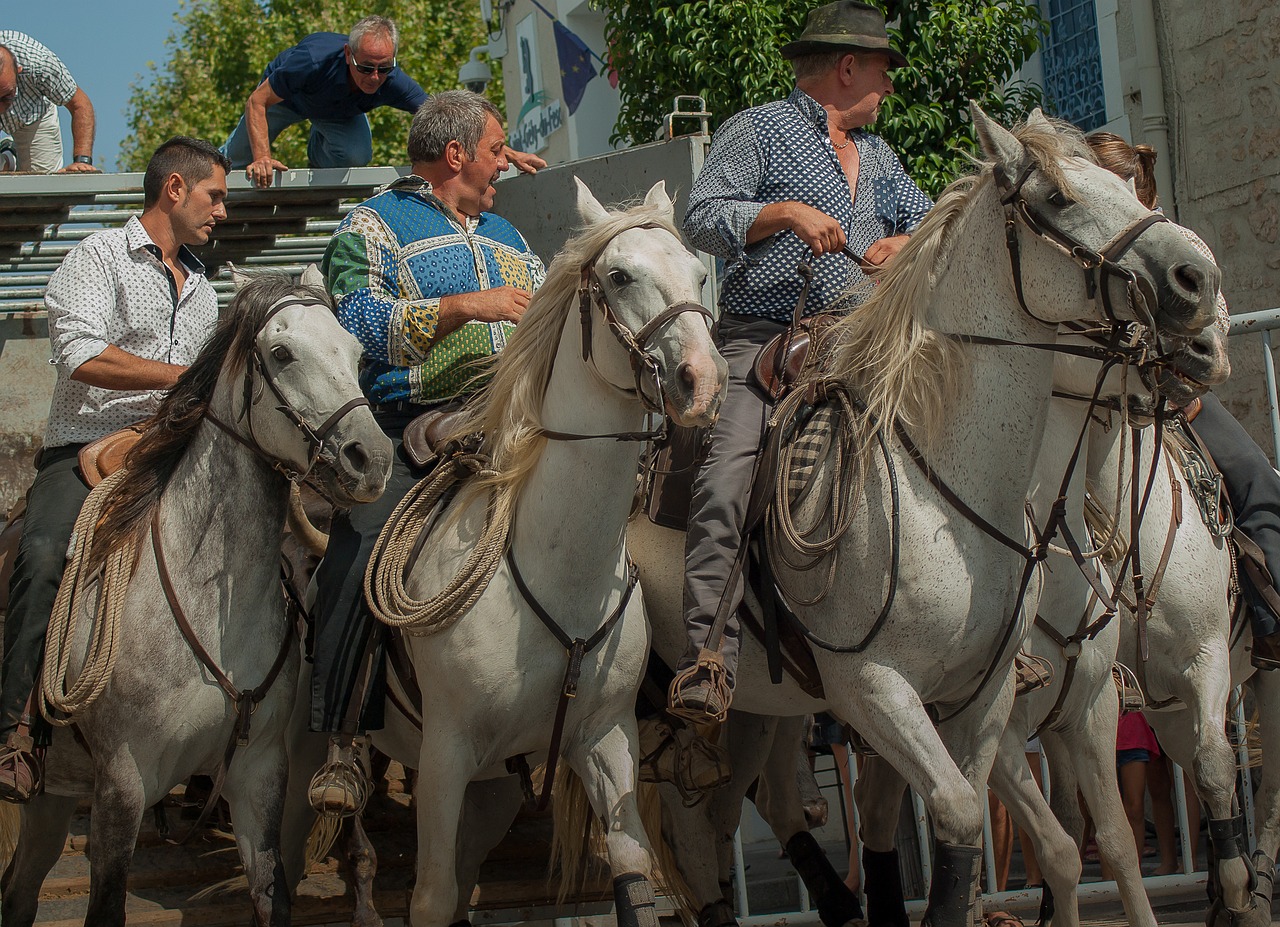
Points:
point(60, 699)
point(399, 541)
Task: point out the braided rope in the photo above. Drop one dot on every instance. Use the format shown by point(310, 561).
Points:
point(60, 699)
point(384, 579)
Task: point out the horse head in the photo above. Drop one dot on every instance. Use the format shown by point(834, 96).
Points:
point(299, 404)
point(648, 287)
point(1070, 222)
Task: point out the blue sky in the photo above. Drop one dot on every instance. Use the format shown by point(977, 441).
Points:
point(107, 45)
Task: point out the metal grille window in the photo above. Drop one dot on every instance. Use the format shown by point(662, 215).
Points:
point(1073, 80)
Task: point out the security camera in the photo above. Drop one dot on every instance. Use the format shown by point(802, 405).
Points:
point(475, 74)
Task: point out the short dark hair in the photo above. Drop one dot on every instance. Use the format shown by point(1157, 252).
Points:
point(192, 159)
point(451, 115)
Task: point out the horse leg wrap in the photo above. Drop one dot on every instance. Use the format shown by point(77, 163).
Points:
point(717, 914)
point(634, 902)
point(837, 905)
point(1264, 869)
point(1224, 833)
point(883, 885)
point(954, 891)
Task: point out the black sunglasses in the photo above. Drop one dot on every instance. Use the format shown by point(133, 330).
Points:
point(372, 68)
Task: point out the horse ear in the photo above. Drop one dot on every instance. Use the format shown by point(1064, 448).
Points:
point(1037, 118)
point(657, 196)
point(997, 142)
point(312, 277)
point(589, 207)
point(238, 276)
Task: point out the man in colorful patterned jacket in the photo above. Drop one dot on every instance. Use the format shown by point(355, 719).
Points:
point(429, 281)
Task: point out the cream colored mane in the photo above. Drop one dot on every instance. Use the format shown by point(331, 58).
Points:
point(900, 367)
point(509, 409)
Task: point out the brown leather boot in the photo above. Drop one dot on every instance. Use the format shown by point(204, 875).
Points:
point(1266, 652)
point(21, 774)
point(700, 694)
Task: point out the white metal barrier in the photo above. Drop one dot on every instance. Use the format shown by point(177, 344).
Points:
point(1184, 884)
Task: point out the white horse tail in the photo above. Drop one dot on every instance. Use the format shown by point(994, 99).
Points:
point(10, 824)
point(578, 837)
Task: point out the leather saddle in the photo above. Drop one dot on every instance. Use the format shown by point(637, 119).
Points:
point(103, 457)
point(426, 437)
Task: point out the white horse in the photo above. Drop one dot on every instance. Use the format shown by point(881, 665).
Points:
point(616, 330)
point(931, 352)
point(273, 393)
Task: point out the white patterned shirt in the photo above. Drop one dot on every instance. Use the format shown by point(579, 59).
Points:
point(44, 81)
point(782, 151)
point(114, 289)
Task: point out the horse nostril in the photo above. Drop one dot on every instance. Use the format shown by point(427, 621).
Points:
point(1189, 279)
point(353, 453)
point(688, 376)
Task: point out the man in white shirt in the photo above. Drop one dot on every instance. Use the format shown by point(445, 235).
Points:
point(129, 310)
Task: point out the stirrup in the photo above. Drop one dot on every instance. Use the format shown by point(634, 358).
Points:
point(340, 787)
point(701, 693)
point(1127, 688)
point(1030, 673)
point(21, 771)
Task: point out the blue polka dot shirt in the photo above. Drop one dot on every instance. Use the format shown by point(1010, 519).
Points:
point(781, 151)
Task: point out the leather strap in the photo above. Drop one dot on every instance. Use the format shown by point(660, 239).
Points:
point(577, 648)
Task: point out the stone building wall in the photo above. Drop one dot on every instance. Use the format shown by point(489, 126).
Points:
point(1221, 73)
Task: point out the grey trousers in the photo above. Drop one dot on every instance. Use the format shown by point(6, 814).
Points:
point(56, 498)
point(345, 629)
point(721, 489)
point(1254, 491)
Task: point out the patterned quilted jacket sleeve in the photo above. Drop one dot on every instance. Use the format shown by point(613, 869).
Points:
point(364, 273)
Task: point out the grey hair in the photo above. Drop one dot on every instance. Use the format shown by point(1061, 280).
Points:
point(818, 63)
point(11, 59)
point(451, 115)
point(372, 25)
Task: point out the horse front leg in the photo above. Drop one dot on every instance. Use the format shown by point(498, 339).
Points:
point(779, 802)
point(42, 835)
point(1266, 692)
point(119, 799)
point(889, 713)
point(255, 792)
point(1091, 750)
point(607, 765)
point(1197, 741)
point(488, 809)
point(445, 770)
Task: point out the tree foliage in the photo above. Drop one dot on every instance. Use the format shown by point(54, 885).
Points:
point(219, 48)
point(727, 52)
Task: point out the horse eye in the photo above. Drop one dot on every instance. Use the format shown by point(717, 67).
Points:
point(1058, 198)
point(282, 354)
point(619, 277)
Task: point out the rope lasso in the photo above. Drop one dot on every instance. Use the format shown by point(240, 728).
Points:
point(61, 700)
point(398, 544)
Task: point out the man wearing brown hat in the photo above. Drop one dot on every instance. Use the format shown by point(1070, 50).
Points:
point(795, 180)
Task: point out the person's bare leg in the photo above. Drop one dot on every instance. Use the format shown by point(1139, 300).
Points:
point(1133, 787)
point(841, 755)
point(1001, 840)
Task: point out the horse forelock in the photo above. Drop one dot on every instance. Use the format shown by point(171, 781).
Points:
point(509, 409)
point(168, 433)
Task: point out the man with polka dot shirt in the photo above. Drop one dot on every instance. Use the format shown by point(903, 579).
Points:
point(796, 180)
point(129, 310)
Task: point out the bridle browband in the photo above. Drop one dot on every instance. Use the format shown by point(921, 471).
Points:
point(315, 437)
point(1097, 265)
point(644, 366)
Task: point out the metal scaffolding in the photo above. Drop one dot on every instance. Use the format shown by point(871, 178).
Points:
point(285, 226)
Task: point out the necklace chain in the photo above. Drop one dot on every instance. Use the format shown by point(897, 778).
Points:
point(841, 146)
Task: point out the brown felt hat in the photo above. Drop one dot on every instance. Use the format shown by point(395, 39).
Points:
point(844, 24)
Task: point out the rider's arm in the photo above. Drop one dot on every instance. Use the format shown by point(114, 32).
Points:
point(722, 204)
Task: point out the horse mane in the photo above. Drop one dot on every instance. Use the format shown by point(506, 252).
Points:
point(901, 368)
point(509, 409)
point(167, 434)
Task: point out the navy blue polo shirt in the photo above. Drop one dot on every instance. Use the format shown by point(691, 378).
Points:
point(312, 79)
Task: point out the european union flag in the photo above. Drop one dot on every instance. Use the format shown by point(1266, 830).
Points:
point(576, 69)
